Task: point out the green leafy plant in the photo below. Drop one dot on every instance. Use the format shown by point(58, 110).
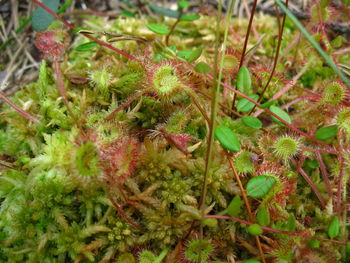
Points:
point(110, 155)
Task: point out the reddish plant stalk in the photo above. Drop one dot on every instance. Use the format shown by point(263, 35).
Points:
point(247, 34)
point(121, 211)
point(128, 101)
point(341, 173)
point(86, 35)
point(59, 80)
point(245, 44)
point(18, 109)
point(324, 174)
point(280, 34)
point(311, 184)
point(250, 223)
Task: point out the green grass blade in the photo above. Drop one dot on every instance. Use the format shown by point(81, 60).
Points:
point(313, 42)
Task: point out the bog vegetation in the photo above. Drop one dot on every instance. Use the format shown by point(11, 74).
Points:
point(179, 137)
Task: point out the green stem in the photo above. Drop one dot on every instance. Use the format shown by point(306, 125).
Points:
point(173, 28)
point(312, 41)
point(161, 255)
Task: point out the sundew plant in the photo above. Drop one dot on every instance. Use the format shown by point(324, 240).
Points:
point(179, 135)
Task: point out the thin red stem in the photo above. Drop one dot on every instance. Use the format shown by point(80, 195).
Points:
point(341, 174)
point(248, 32)
point(86, 35)
point(324, 174)
point(280, 34)
point(18, 109)
point(250, 223)
point(245, 44)
point(311, 184)
point(128, 101)
point(59, 81)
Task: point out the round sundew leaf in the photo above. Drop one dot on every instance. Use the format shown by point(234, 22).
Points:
point(227, 138)
point(263, 216)
point(244, 82)
point(190, 17)
point(260, 185)
point(202, 67)
point(333, 228)
point(234, 208)
point(252, 122)
point(255, 230)
point(41, 19)
point(87, 46)
point(158, 29)
point(327, 132)
point(280, 113)
point(244, 105)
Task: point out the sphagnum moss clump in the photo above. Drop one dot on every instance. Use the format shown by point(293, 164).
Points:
point(106, 161)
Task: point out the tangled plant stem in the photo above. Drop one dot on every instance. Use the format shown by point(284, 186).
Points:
point(18, 109)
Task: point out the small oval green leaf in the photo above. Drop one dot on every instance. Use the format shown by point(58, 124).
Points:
point(244, 81)
point(266, 104)
point(314, 243)
point(41, 19)
point(227, 138)
point(251, 261)
point(158, 29)
point(190, 17)
point(202, 67)
point(184, 53)
point(210, 222)
point(244, 105)
point(333, 228)
point(127, 13)
point(87, 46)
point(234, 208)
point(263, 216)
point(195, 54)
point(280, 113)
point(326, 133)
point(164, 11)
point(252, 122)
point(260, 185)
point(183, 4)
point(291, 223)
point(255, 230)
